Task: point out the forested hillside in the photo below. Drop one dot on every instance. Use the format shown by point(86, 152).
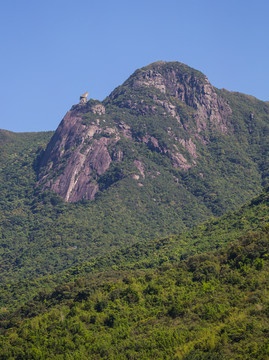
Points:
point(153, 299)
point(209, 236)
point(164, 152)
point(209, 306)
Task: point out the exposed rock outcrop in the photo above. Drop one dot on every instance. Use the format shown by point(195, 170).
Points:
point(88, 140)
point(74, 156)
point(185, 84)
point(83, 98)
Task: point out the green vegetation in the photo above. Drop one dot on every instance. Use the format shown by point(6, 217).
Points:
point(211, 235)
point(151, 299)
point(41, 235)
point(128, 275)
point(209, 306)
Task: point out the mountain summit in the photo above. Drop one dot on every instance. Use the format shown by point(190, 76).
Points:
point(182, 83)
point(165, 130)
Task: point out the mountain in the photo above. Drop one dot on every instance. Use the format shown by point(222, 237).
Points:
point(95, 261)
point(165, 151)
point(165, 119)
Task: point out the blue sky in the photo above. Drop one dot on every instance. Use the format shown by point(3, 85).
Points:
point(52, 51)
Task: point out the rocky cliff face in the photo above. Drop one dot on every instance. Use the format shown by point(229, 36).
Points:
point(167, 108)
point(77, 153)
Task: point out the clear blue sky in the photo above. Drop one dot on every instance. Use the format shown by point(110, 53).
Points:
point(54, 50)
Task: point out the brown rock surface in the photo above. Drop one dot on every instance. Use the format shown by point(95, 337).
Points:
point(74, 157)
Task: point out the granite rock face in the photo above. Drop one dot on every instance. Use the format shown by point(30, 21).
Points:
point(88, 141)
point(76, 154)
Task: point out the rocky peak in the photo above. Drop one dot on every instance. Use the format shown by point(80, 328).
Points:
point(87, 142)
point(177, 80)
